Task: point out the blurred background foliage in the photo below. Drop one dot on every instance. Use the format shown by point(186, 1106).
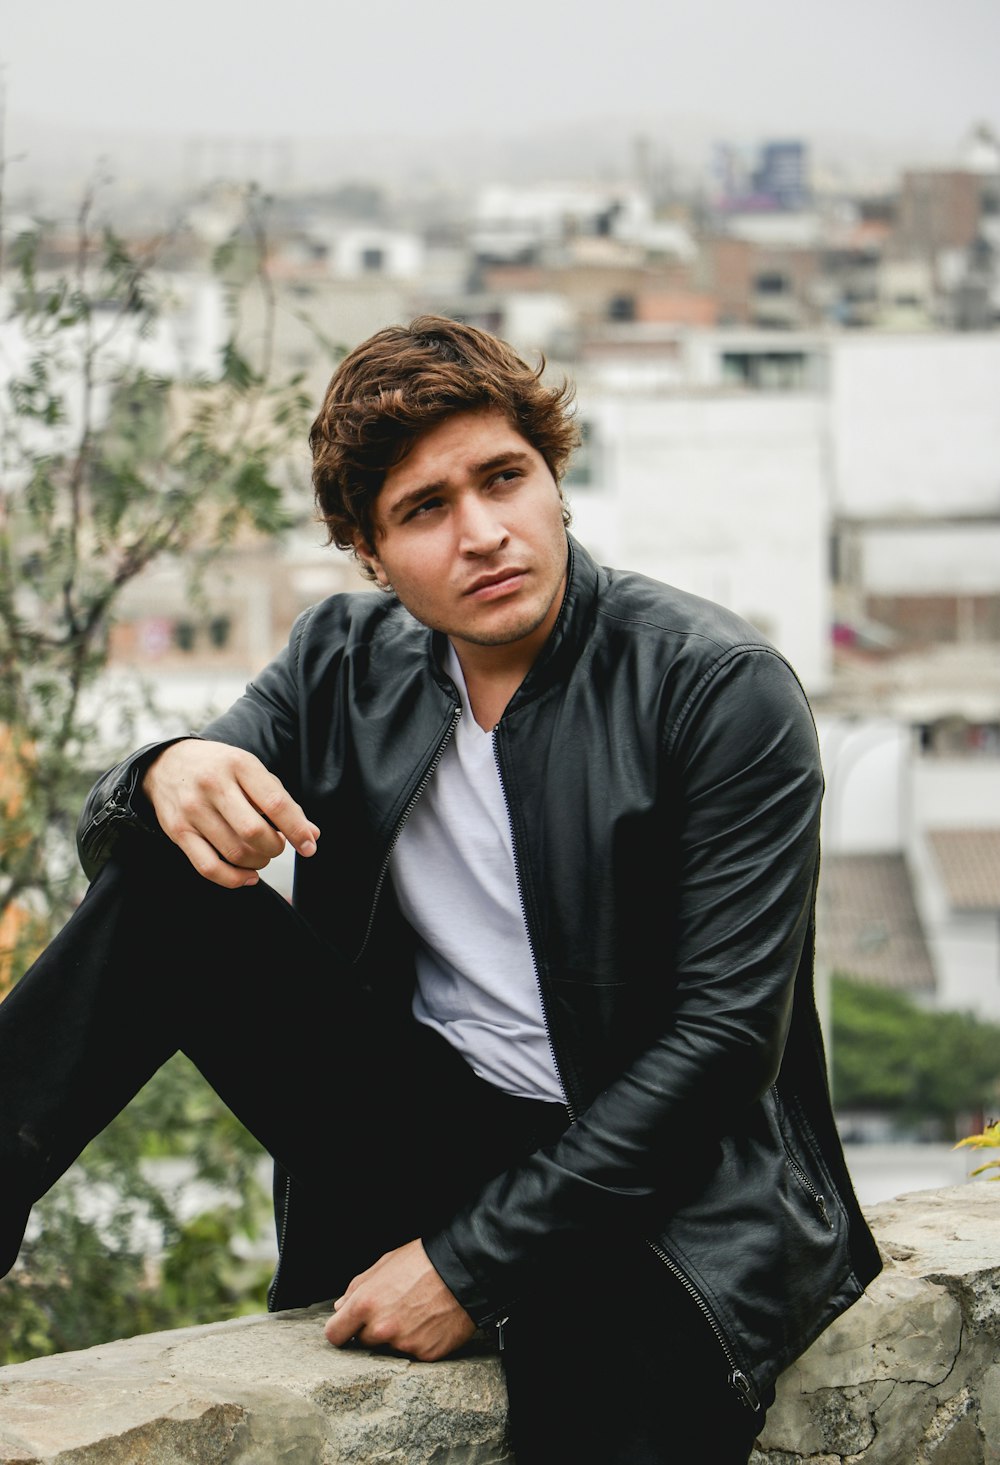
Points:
point(892, 1057)
point(108, 466)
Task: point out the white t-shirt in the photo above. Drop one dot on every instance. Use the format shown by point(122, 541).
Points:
point(455, 880)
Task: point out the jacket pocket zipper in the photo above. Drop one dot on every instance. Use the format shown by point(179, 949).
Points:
point(816, 1196)
point(739, 1379)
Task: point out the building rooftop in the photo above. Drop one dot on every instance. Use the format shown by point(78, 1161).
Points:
point(969, 861)
point(867, 923)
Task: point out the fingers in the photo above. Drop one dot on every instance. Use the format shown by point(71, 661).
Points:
point(402, 1303)
point(341, 1326)
point(222, 807)
point(282, 813)
point(205, 859)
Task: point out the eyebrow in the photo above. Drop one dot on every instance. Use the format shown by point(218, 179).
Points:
point(514, 458)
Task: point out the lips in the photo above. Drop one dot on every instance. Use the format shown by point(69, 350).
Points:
point(496, 581)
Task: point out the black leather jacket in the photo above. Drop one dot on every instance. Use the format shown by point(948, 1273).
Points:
point(662, 773)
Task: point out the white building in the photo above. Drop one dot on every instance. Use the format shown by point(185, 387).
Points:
point(723, 495)
point(915, 423)
point(512, 223)
point(933, 805)
point(365, 250)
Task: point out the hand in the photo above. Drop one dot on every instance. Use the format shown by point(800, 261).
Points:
point(223, 808)
point(401, 1302)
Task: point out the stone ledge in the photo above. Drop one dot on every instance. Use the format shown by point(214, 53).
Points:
point(259, 1390)
point(909, 1376)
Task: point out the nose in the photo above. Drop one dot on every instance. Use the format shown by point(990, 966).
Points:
point(481, 529)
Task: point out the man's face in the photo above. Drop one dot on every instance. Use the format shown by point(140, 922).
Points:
point(470, 535)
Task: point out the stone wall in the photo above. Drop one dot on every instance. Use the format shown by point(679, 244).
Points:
point(910, 1376)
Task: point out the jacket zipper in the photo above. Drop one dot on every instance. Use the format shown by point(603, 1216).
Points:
point(272, 1290)
point(502, 1321)
point(738, 1378)
point(113, 808)
point(380, 881)
point(531, 944)
point(449, 733)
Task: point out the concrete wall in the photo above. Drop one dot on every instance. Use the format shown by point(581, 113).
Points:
point(956, 793)
point(724, 496)
point(931, 558)
point(914, 423)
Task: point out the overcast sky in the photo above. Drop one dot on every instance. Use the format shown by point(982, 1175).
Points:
point(912, 75)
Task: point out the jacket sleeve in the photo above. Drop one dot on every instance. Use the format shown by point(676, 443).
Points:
point(264, 721)
point(743, 765)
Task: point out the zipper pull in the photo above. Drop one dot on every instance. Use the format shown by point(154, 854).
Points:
point(744, 1387)
point(113, 806)
point(821, 1207)
point(500, 1325)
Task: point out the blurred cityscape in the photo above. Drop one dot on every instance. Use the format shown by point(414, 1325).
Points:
point(789, 397)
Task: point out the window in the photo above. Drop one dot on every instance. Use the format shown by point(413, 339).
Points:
point(772, 283)
point(773, 371)
point(219, 628)
point(184, 635)
point(621, 307)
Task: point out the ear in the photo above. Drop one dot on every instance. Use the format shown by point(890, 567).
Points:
point(370, 559)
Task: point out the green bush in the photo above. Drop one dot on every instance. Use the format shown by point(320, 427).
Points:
point(895, 1057)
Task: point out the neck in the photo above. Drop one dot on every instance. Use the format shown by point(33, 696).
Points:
point(493, 673)
point(491, 681)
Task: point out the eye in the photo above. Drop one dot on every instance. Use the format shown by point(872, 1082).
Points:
point(419, 511)
point(508, 475)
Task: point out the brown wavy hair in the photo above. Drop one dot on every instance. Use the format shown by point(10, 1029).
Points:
point(406, 379)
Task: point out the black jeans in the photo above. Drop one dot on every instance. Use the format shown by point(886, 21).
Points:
point(611, 1363)
point(381, 1126)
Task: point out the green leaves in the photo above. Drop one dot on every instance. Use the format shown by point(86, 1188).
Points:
point(110, 462)
point(32, 395)
point(236, 369)
point(891, 1055)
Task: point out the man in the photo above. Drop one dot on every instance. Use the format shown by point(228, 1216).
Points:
point(537, 1050)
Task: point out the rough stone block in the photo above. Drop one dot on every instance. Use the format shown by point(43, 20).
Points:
point(257, 1391)
point(909, 1376)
